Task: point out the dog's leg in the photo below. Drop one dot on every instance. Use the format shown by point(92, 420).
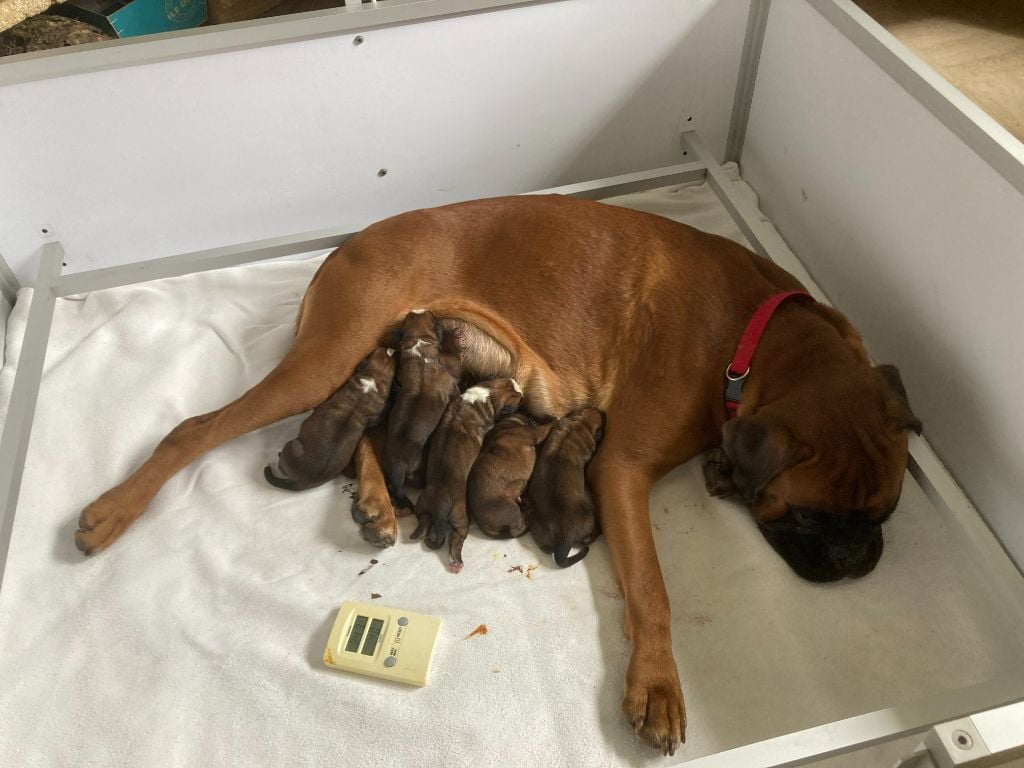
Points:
point(372, 508)
point(307, 375)
point(653, 699)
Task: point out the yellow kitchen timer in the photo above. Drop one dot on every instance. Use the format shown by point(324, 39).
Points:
point(383, 642)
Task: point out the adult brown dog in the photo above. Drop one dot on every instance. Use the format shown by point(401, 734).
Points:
point(594, 305)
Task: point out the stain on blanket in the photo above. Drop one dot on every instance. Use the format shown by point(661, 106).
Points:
point(375, 595)
point(372, 563)
point(349, 489)
point(528, 573)
point(481, 630)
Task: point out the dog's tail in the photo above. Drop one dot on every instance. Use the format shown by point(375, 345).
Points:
point(562, 557)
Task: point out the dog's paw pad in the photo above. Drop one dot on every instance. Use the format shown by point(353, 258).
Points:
point(455, 567)
point(381, 534)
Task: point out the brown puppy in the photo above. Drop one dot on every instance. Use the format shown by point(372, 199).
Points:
point(619, 310)
point(496, 493)
point(428, 378)
point(562, 513)
point(328, 437)
point(441, 508)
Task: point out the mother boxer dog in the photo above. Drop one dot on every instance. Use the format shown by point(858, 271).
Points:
point(593, 305)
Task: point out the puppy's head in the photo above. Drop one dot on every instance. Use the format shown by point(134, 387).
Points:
point(505, 395)
point(421, 325)
point(821, 469)
point(379, 365)
point(593, 420)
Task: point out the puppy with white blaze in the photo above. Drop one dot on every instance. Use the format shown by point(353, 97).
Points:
point(328, 437)
point(428, 378)
point(441, 508)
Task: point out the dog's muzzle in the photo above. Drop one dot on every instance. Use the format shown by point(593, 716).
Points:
point(821, 547)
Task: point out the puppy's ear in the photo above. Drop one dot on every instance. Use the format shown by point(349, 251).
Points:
point(758, 449)
point(595, 421)
point(541, 432)
point(506, 396)
point(897, 404)
point(438, 331)
point(452, 364)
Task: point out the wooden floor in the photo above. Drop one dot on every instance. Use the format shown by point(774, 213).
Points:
point(978, 45)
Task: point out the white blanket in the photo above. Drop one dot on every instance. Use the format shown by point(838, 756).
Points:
point(196, 640)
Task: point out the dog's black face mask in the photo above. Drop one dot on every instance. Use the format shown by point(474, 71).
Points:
point(822, 547)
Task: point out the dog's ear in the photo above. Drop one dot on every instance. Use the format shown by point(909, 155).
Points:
point(758, 449)
point(897, 403)
point(438, 331)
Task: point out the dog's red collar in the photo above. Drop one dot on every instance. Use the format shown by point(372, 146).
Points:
point(736, 372)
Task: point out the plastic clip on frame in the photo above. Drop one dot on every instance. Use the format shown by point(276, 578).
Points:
point(798, 748)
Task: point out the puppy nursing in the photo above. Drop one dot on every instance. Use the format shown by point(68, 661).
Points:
point(428, 378)
point(563, 513)
point(441, 508)
point(328, 437)
point(497, 484)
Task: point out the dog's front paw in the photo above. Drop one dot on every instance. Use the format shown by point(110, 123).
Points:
point(376, 519)
point(103, 521)
point(380, 533)
point(653, 704)
point(718, 476)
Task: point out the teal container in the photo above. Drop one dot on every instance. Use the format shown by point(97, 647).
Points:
point(136, 17)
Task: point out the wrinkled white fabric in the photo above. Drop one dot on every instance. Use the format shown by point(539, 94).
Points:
point(196, 640)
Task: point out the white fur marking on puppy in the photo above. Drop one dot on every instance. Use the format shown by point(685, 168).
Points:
point(476, 394)
point(415, 350)
point(418, 311)
point(368, 385)
point(516, 387)
point(390, 352)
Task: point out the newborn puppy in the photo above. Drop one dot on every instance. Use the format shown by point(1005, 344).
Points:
point(496, 494)
point(562, 514)
point(328, 437)
point(427, 381)
point(441, 508)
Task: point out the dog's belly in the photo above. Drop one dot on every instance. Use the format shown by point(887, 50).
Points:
point(545, 395)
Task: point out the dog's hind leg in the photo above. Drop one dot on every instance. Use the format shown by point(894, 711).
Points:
point(313, 369)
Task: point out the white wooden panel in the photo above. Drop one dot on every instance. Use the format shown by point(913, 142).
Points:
point(163, 158)
point(915, 237)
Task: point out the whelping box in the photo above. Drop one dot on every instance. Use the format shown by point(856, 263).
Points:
point(128, 18)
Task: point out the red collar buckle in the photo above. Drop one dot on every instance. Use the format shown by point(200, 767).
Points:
point(734, 380)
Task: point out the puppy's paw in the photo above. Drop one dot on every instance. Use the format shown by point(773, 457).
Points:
point(655, 709)
point(103, 521)
point(454, 567)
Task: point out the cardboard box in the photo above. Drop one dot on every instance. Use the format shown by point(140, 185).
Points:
point(128, 18)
